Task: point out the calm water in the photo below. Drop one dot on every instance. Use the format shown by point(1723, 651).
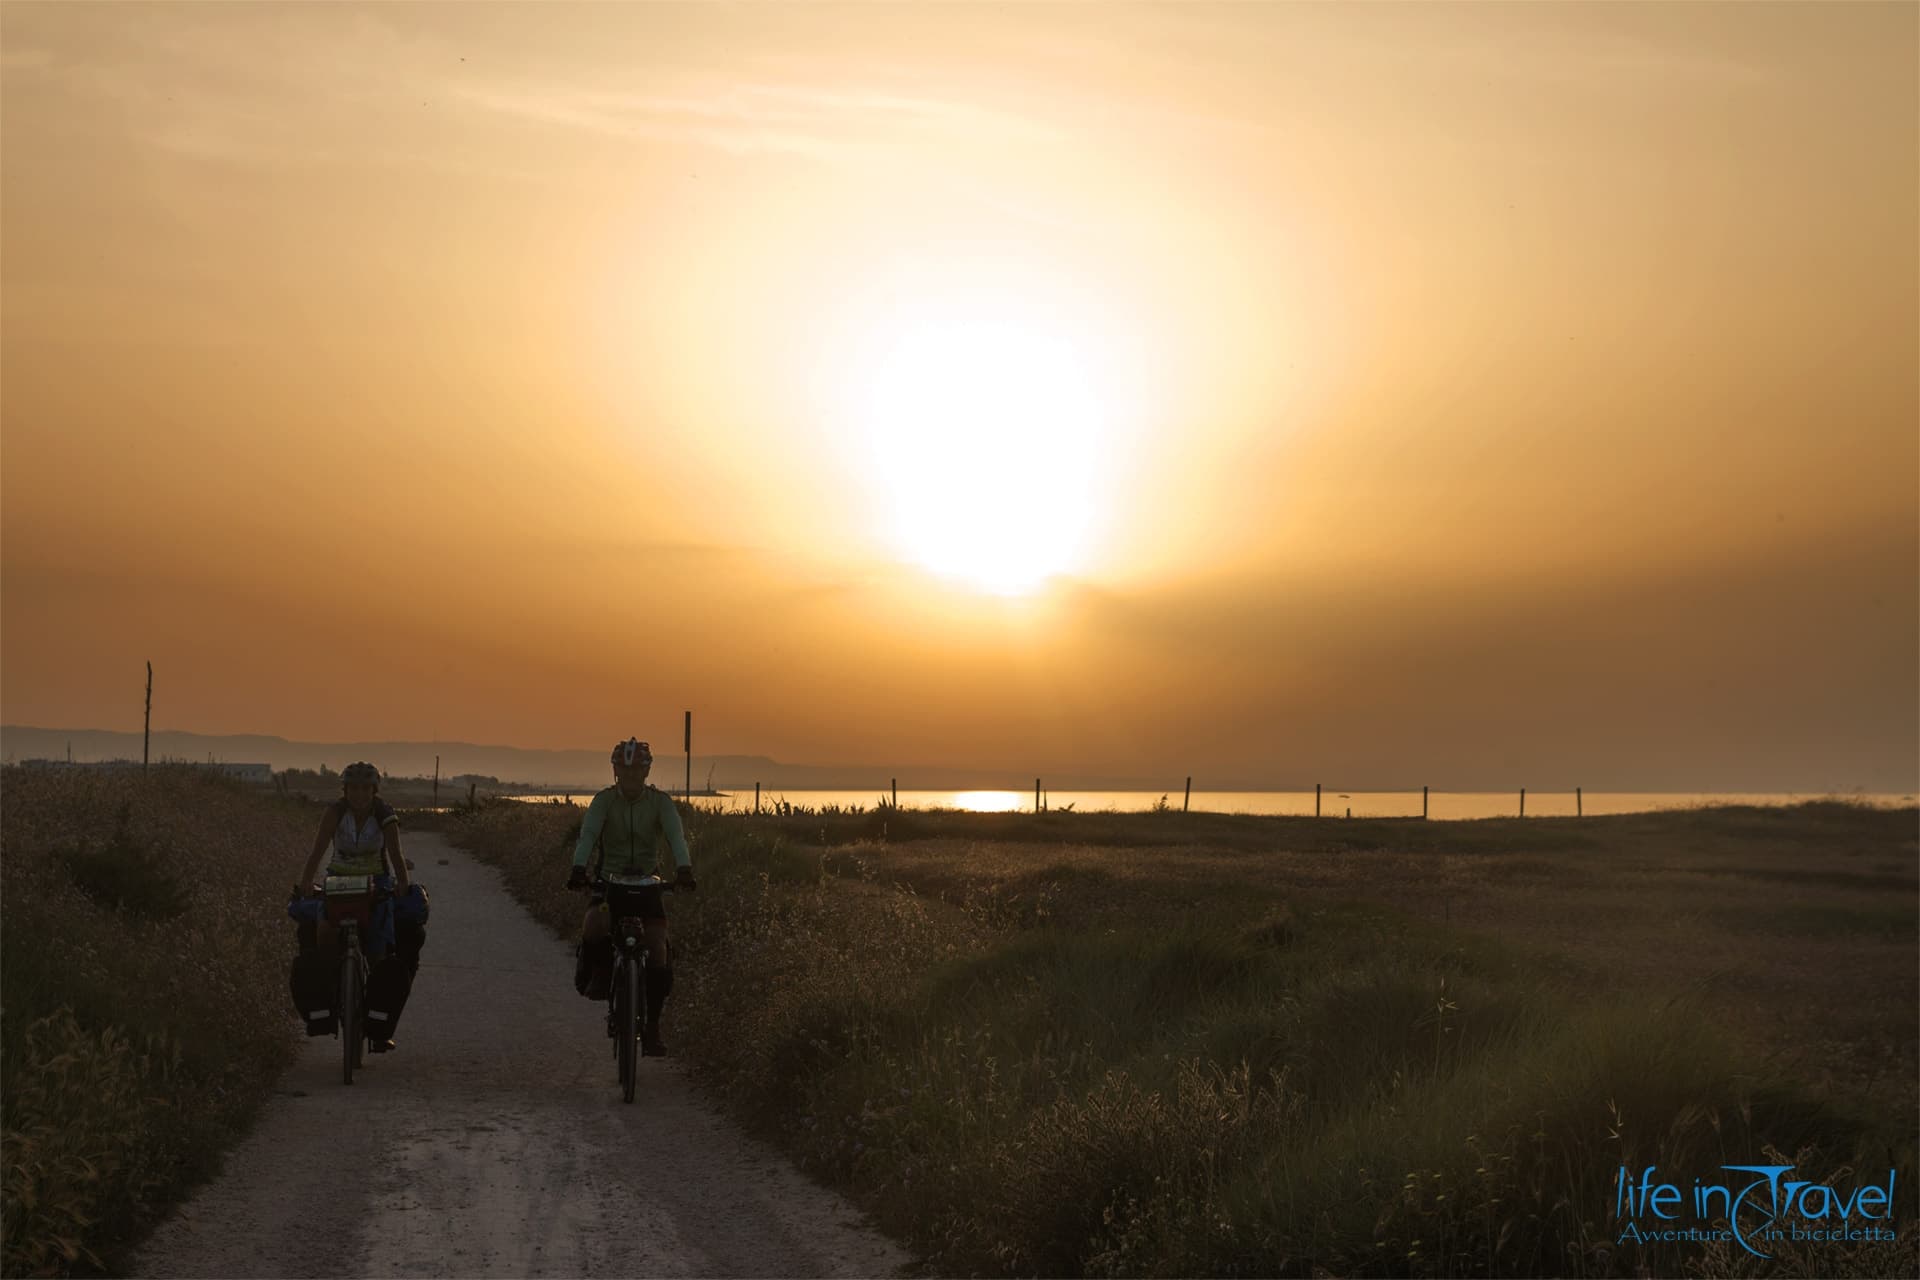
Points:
point(1334, 804)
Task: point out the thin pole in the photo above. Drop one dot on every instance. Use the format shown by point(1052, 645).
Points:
point(1423, 804)
point(1187, 797)
point(756, 797)
point(1036, 795)
point(688, 745)
point(1316, 799)
point(146, 732)
point(1523, 802)
point(1579, 810)
point(436, 782)
point(896, 792)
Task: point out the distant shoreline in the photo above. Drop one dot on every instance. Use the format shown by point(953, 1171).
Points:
point(561, 771)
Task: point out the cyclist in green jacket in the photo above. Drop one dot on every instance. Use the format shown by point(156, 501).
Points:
point(624, 824)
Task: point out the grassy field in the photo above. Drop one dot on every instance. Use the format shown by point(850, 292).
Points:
point(144, 1012)
point(1094, 1044)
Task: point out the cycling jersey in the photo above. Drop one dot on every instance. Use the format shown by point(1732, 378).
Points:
point(360, 845)
point(628, 831)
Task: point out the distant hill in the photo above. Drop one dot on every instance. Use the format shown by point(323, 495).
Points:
point(558, 769)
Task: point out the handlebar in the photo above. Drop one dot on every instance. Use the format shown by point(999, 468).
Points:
point(604, 884)
point(600, 884)
point(374, 891)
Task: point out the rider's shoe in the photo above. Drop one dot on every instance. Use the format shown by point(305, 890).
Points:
point(380, 1046)
point(651, 1045)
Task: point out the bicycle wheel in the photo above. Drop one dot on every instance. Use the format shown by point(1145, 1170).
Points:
point(627, 1029)
point(349, 1011)
point(360, 1006)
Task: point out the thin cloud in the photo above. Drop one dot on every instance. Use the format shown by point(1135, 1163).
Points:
point(751, 118)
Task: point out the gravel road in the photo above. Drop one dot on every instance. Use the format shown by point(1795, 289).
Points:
point(493, 1142)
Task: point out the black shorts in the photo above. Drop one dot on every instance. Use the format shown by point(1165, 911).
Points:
point(648, 904)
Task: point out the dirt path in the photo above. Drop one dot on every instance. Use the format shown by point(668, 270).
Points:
point(493, 1142)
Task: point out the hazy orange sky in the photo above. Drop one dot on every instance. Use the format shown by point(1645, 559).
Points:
point(1453, 394)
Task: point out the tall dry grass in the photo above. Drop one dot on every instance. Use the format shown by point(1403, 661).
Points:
point(1135, 1047)
point(143, 1005)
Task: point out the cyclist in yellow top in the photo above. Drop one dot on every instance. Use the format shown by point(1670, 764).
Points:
point(364, 833)
point(624, 823)
point(363, 830)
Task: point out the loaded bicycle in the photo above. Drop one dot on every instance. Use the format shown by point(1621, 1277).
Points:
point(630, 901)
point(350, 902)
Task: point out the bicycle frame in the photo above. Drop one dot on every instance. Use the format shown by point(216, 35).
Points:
point(350, 901)
point(626, 995)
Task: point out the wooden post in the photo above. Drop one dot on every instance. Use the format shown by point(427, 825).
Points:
point(1579, 810)
point(1188, 796)
point(896, 791)
point(436, 782)
point(688, 746)
point(1423, 804)
point(1316, 799)
point(146, 733)
point(1036, 795)
point(756, 797)
point(1523, 802)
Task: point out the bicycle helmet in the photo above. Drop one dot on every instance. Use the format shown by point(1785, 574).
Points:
point(632, 752)
point(360, 771)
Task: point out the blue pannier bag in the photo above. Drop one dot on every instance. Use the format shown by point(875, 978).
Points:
point(411, 906)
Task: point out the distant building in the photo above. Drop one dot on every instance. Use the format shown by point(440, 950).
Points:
point(260, 773)
point(257, 773)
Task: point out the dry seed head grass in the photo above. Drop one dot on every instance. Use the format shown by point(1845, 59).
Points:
point(136, 1041)
point(1398, 1058)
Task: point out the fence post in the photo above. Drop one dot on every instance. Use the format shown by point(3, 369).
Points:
point(1316, 799)
point(756, 797)
point(1036, 795)
point(1579, 810)
point(146, 731)
point(1188, 796)
point(688, 747)
point(436, 782)
point(896, 792)
point(1423, 804)
point(1523, 802)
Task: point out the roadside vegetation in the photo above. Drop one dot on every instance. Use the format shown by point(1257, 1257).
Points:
point(143, 995)
point(1150, 1044)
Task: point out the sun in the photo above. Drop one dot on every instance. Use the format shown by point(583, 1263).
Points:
point(985, 420)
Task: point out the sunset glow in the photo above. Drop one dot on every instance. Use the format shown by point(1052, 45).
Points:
point(1264, 391)
point(989, 426)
